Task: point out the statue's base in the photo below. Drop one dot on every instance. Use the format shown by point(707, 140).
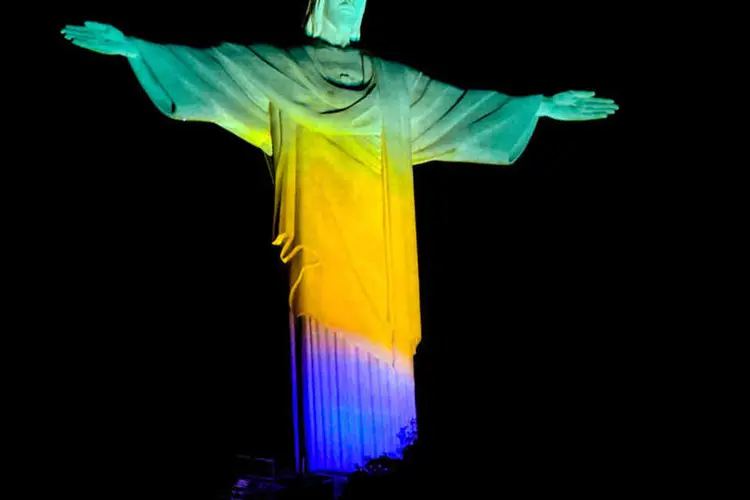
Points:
point(318, 486)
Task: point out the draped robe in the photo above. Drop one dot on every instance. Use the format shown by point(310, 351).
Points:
point(344, 217)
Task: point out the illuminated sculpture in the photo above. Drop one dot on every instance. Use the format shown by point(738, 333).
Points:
point(344, 130)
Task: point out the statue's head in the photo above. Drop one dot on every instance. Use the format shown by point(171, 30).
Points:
point(336, 21)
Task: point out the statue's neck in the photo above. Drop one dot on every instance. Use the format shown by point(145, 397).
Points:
point(334, 35)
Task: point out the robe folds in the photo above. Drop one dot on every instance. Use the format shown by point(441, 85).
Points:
point(343, 158)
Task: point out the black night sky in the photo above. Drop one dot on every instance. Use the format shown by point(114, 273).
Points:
point(165, 323)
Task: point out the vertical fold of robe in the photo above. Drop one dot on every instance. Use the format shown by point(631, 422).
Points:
point(353, 403)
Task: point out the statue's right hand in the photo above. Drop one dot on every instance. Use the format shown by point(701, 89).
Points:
point(101, 38)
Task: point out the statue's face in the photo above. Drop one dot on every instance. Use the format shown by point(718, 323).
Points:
point(344, 14)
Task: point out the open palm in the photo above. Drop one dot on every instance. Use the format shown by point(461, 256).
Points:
point(578, 105)
point(101, 38)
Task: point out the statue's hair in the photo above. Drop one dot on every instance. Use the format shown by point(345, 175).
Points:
point(315, 18)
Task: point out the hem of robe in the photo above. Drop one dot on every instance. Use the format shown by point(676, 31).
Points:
point(349, 419)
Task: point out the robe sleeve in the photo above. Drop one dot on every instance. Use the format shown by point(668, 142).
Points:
point(469, 126)
point(206, 85)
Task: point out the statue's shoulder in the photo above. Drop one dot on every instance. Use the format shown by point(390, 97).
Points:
point(391, 64)
point(273, 54)
point(397, 69)
point(259, 48)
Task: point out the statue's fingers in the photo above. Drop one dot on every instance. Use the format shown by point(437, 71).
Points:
point(599, 110)
point(602, 107)
point(73, 31)
point(587, 117)
point(77, 28)
point(98, 34)
point(599, 100)
point(583, 93)
point(597, 115)
point(84, 38)
point(92, 37)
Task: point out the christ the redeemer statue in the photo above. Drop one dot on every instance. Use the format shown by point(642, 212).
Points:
point(344, 129)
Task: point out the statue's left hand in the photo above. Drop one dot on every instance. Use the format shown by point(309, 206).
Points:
point(101, 38)
point(577, 105)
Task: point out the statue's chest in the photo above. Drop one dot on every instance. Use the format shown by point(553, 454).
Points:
point(345, 72)
point(345, 67)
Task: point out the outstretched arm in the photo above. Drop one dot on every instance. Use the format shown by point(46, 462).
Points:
point(487, 127)
point(108, 40)
point(186, 83)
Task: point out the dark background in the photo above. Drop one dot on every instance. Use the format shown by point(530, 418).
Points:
point(161, 321)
